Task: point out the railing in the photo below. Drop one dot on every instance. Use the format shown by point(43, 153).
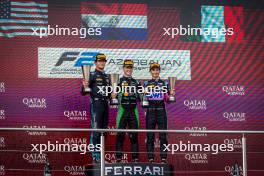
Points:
point(244, 156)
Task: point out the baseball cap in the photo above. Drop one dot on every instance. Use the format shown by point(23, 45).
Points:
point(128, 63)
point(154, 65)
point(100, 57)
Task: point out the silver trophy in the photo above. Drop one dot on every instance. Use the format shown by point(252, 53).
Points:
point(86, 75)
point(114, 78)
point(172, 81)
point(145, 102)
point(47, 169)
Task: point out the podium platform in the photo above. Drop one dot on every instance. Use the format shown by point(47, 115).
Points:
point(130, 169)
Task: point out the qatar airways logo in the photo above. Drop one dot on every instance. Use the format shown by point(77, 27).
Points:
point(111, 158)
point(2, 114)
point(236, 142)
point(232, 169)
point(36, 133)
point(35, 158)
point(35, 102)
point(195, 104)
point(2, 87)
point(75, 141)
point(2, 170)
point(234, 90)
point(75, 115)
point(2, 142)
point(196, 128)
point(235, 116)
point(197, 158)
point(75, 170)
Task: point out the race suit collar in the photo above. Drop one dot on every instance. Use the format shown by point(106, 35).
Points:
point(128, 77)
point(156, 80)
point(99, 71)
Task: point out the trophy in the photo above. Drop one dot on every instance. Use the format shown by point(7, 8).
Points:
point(145, 102)
point(86, 75)
point(47, 169)
point(114, 78)
point(172, 81)
point(86, 61)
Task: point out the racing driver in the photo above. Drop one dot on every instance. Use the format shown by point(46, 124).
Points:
point(128, 111)
point(98, 102)
point(156, 111)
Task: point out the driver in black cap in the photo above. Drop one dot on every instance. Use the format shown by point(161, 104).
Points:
point(98, 102)
point(128, 111)
point(156, 111)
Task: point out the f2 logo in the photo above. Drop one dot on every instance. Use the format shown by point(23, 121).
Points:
point(81, 56)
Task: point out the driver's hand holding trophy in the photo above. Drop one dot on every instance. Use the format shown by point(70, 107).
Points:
point(86, 64)
point(86, 75)
point(114, 78)
point(172, 81)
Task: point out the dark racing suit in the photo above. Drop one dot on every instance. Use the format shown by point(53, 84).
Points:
point(98, 106)
point(127, 116)
point(156, 115)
